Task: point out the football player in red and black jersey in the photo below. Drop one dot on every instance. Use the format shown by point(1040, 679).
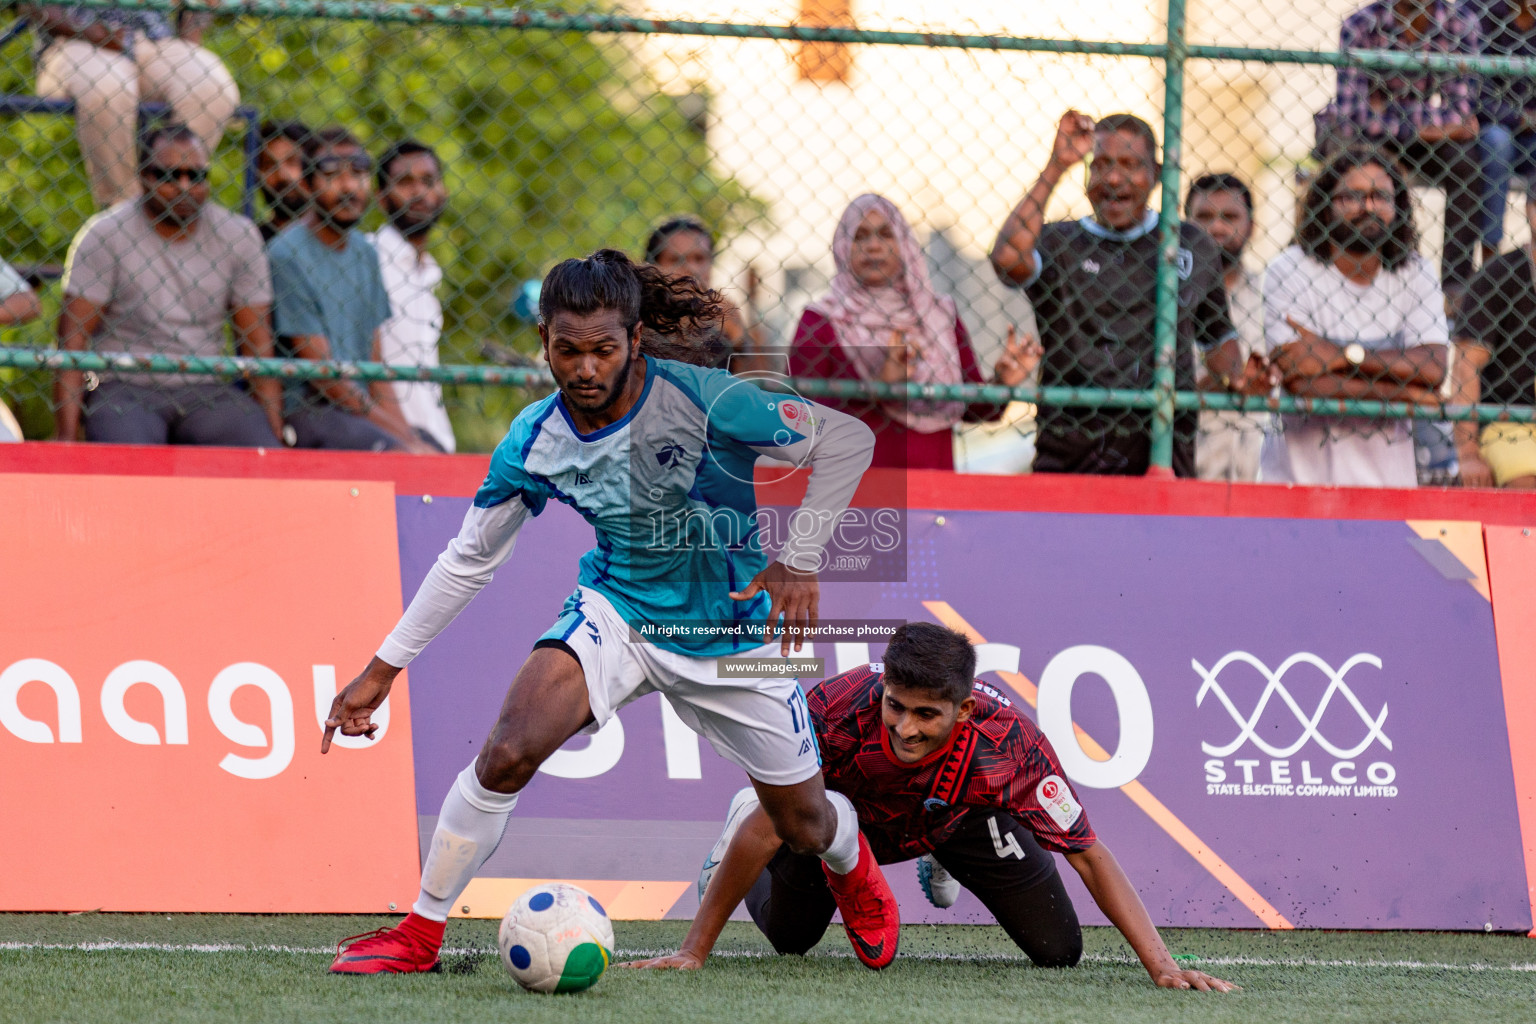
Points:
point(941, 767)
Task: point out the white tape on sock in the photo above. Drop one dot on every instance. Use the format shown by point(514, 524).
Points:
point(469, 828)
point(445, 875)
point(842, 856)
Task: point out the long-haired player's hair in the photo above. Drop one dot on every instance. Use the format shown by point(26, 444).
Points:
point(638, 292)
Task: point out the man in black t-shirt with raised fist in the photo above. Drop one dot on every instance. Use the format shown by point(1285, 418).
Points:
point(1093, 283)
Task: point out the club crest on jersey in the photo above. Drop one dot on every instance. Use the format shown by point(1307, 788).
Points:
point(1056, 799)
point(671, 455)
point(1184, 263)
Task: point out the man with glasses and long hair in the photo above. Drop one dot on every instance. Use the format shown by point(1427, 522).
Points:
point(1353, 311)
point(162, 275)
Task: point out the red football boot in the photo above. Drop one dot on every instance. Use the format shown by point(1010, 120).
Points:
point(407, 948)
point(870, 915)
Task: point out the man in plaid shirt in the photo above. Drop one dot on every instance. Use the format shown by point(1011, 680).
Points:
point(1423, 119)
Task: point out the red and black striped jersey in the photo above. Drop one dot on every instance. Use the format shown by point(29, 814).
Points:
point(998, 758)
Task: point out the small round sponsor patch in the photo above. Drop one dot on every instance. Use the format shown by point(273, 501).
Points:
point(1056, 799)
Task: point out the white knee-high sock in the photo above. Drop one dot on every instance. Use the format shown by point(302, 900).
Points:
point(469, 829)
point(842, 856)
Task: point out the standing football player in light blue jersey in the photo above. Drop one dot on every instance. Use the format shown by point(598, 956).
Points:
point(657, 455)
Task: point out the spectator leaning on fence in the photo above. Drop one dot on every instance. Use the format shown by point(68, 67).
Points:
point(685, 245)
point(18, 302)
point(882, 321)
point(162, 275)
point(1230, 442)
point(1506, 109)
point(413, 197)
point(1425, 119)
point(1093, 283)
point(280, 172)
point(1496, 363)
point(329, 302)
point(108, 61)
point(1352, 311)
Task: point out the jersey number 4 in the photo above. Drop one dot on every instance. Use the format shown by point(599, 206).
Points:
point(1006, 846)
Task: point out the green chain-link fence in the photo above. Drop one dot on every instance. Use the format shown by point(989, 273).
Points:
point(560, 131)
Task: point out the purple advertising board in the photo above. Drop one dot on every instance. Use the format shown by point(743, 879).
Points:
point(1303, 718)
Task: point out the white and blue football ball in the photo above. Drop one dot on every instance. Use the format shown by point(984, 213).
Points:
point(556, 938)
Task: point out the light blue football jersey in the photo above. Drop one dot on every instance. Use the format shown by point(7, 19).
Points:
point(668, 490)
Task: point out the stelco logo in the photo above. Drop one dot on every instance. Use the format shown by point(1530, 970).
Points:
point(220, 706)
point(1340, 775)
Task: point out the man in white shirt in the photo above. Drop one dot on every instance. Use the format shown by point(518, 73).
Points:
point(1352, 311)
point(18, 304)
point(412, 195)
point(1230, 442)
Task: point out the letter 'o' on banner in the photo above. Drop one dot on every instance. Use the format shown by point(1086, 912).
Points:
point(1132, 703)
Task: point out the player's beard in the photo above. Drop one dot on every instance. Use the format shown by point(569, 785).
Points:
point(1362, 236)
point(338, 215)
point(600, 403)
point(286, 205)
point(413, 221)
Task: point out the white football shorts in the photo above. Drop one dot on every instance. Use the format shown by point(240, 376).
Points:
point(761, 725)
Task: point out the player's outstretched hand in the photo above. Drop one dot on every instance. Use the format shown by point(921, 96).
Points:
point(794, 594)
point(352, 710)
point(680, 961)
point(1198, 980)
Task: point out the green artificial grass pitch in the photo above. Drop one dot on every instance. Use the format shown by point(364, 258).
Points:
point(182, 968)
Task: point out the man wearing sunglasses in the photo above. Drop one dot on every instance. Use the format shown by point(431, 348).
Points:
point(329, 303)
point(161, 275)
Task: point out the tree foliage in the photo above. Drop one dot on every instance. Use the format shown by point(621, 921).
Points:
point(554, 144)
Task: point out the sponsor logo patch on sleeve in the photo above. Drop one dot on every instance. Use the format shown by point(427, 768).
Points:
point(797, 416)
point(1057, 800)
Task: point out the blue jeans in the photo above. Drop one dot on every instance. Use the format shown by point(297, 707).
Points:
point(1504, 154)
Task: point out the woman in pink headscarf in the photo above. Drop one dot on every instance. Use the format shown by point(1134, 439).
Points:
point(882, 321)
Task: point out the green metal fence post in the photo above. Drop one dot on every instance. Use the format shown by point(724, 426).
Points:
point(1165, 336)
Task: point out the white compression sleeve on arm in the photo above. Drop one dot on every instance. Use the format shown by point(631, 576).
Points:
point(838, 453)
point(483, 545)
